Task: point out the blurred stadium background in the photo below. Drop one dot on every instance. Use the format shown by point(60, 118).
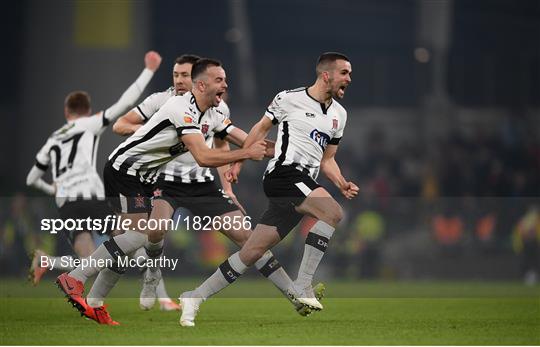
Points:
point(443, 135)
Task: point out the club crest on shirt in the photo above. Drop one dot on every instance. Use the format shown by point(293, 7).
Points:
point(157, 192)
point(204, 128)
point(321, 138)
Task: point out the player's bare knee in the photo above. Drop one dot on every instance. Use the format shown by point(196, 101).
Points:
point(333, 215)
point(337, 214)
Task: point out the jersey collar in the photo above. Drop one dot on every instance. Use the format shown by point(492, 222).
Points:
point(194, 100)
point(323, 106)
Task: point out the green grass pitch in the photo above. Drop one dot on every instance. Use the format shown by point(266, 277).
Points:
point(251, 312)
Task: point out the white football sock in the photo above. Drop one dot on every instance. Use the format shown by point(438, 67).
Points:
point(226, 274)
point(161, 292)
point(270, 268)
point(140, 253)
point(109, 252)
point(153, 251)
point(316, 244)
point(104, 283)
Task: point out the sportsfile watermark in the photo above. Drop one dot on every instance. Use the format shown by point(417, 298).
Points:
point(405, 239)
point(111, 222)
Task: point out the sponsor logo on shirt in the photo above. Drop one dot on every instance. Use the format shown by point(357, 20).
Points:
point(188, 119)
point(321, 138)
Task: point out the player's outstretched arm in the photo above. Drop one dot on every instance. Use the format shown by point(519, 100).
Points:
point(331, 170)
point(34, 180)
point(208, 157)
point(222, 145)
point(128, 124)
point(257, 133)
point(152, 60)
point(238, 136)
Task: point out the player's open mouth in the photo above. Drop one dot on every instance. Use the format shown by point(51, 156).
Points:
point(219, 96)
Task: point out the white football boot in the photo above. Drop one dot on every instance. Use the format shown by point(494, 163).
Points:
point(190, 306)
point(305, 300)
point(148, 295)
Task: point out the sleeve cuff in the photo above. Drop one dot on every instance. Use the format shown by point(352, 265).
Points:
point(223, 133)
point(105, 120)
point(187, 130)
point(271, 116)
point(335, 141)
point(141, 113)
point(41, 166)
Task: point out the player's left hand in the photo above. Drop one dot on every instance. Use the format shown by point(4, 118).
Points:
point(349, 190)
point(231, 175)
point(231, 195)
point(270, 148)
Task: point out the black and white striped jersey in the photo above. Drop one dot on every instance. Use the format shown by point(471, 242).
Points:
point(153, 103)
point(71, 152)
point(158, 141)
point(183, 168)
point(306, 128)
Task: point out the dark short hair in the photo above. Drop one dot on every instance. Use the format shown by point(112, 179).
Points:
point(78, 102)
point(201, 65)
point(327, 58)
point(187, 59)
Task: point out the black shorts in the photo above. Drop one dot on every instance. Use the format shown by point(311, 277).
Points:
point(126, 193)
point(285, 187)
point(82, 209)
point(202, 199)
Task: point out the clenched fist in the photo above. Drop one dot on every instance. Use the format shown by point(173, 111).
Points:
point(257, 150)
point(152, 60)
point(349, 190)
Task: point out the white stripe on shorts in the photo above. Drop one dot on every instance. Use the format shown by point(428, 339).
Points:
point(303, 188)
point(123, 203)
